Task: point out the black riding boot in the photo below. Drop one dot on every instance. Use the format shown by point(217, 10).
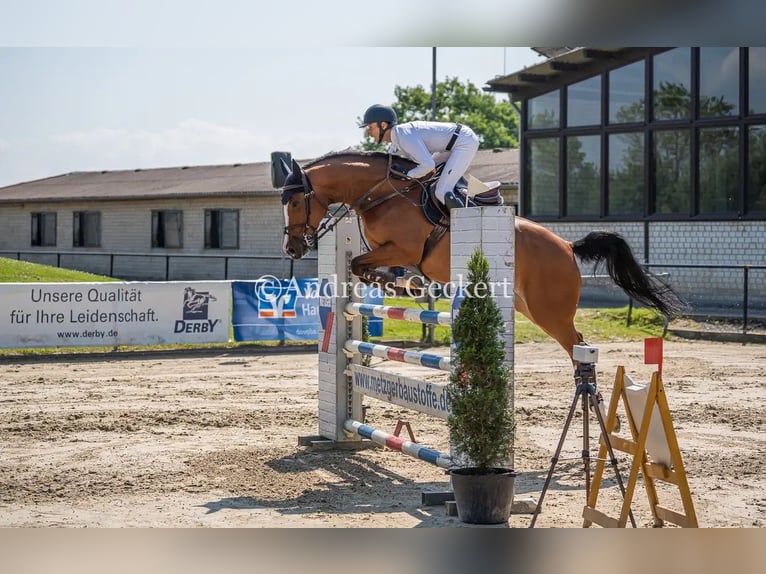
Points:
point(451, 201)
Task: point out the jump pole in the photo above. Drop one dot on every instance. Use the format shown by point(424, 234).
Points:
point(492, 228)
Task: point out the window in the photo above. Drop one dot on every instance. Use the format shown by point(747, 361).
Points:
point(584, 103)
point(719, 170)
point(44, 229)
point(672, 163)
point(543, 169)
point(719, 82)
point(626, 94)
point(543, 111)
point(756, 185)
point(583, 175)
point(678, 134)
point(626, 174)
point(757, 79)
point(672, 85)
point(167, 228)
point(87, 229)
point(222, 228)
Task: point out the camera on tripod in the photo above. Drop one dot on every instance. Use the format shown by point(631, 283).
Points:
point(585, 354)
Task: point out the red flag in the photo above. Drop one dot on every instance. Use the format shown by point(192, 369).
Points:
point(653, 352)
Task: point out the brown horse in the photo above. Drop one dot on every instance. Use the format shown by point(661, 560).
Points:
point(547, 278)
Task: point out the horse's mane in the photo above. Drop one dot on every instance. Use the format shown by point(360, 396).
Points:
point(357, 155)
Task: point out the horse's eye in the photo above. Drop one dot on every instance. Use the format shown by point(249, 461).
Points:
point(295, 204)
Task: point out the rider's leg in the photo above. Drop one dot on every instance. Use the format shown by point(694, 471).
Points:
point(458, 162)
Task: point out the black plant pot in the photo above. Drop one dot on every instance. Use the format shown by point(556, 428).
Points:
point(483, 498)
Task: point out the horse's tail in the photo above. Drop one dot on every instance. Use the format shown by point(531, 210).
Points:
point(611, 248)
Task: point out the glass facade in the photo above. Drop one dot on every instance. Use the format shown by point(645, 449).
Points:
point(626, 174)
point(583, 175)
point(673, 143)
point(718, 169)
point(672, 168)
point(757, 80)
point(719, 82)
point(544, 111)
point(626, 94)
point(543, 170)
point(584, 103)
point(756, 185)
point(671, 93)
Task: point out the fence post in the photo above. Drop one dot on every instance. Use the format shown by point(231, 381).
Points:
point(744, 300)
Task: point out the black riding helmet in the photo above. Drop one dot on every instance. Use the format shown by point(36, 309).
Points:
point(378, 113)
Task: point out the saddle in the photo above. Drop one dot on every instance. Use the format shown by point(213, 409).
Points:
point(437, 214)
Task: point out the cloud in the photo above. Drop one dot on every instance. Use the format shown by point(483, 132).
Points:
point(4, 146)
point(191, 142)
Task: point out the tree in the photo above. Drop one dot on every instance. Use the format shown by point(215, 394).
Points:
point(495, 122)
point(481, 424)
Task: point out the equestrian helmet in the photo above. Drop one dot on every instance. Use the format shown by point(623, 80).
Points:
point(378, 113)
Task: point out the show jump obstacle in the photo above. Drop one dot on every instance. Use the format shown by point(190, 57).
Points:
point(344, 381)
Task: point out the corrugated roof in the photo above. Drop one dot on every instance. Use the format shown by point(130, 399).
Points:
point(201, 181)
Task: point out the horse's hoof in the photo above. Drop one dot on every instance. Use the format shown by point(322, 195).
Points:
point(377, 278)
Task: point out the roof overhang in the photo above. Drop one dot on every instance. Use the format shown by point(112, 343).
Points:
point(565, 68)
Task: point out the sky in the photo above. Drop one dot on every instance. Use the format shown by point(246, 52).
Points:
point(124, 84)
point(83, 109)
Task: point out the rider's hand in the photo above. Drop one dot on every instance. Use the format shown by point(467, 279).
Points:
point(399, 171)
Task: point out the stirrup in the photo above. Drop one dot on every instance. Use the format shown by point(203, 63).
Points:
point(451, 201)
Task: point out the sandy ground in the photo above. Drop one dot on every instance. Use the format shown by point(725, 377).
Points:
point(211, 440)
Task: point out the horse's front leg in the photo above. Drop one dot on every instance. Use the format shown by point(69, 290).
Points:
point(366, 266)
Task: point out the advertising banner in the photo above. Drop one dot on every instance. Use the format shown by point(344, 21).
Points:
point(110, 314)
point(271, 309)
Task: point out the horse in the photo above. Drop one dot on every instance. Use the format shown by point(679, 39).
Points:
point(547, 278)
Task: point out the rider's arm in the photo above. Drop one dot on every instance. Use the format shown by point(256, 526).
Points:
point(412, 144)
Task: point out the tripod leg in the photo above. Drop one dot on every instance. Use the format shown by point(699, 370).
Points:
point(612, 458)
point(586, 444)
point(555, 457)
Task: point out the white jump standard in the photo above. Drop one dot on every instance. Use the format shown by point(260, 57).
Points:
point(343, 380)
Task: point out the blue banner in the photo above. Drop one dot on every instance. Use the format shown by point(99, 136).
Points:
point(272, 309)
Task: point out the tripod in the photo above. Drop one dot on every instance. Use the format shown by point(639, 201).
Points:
point(585, 381)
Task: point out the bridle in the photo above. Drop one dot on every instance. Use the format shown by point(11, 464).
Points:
point(311, 234)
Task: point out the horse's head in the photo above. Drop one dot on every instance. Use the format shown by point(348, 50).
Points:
point(303, 213)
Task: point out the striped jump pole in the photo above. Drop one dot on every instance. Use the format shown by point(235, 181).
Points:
point(429, 360)
point(400, 313)
point(407, 447)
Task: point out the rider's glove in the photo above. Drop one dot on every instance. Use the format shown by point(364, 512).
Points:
point(399, 171)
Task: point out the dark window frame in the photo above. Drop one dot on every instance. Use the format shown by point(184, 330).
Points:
point(214, 228)
point(158, 230)
point(79, 232)
point(38, 237)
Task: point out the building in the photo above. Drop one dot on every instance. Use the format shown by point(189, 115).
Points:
point(666, 146)
point(182, 223)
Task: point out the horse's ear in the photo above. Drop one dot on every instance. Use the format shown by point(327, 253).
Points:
point(296, 167)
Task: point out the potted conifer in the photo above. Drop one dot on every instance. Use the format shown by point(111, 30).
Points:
point(481, 423)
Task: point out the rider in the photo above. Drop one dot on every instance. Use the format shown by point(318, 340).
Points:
point(424, 141)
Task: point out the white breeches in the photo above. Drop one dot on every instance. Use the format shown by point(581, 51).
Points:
point(460, 157)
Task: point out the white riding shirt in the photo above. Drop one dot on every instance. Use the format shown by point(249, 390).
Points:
point(424, 141)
